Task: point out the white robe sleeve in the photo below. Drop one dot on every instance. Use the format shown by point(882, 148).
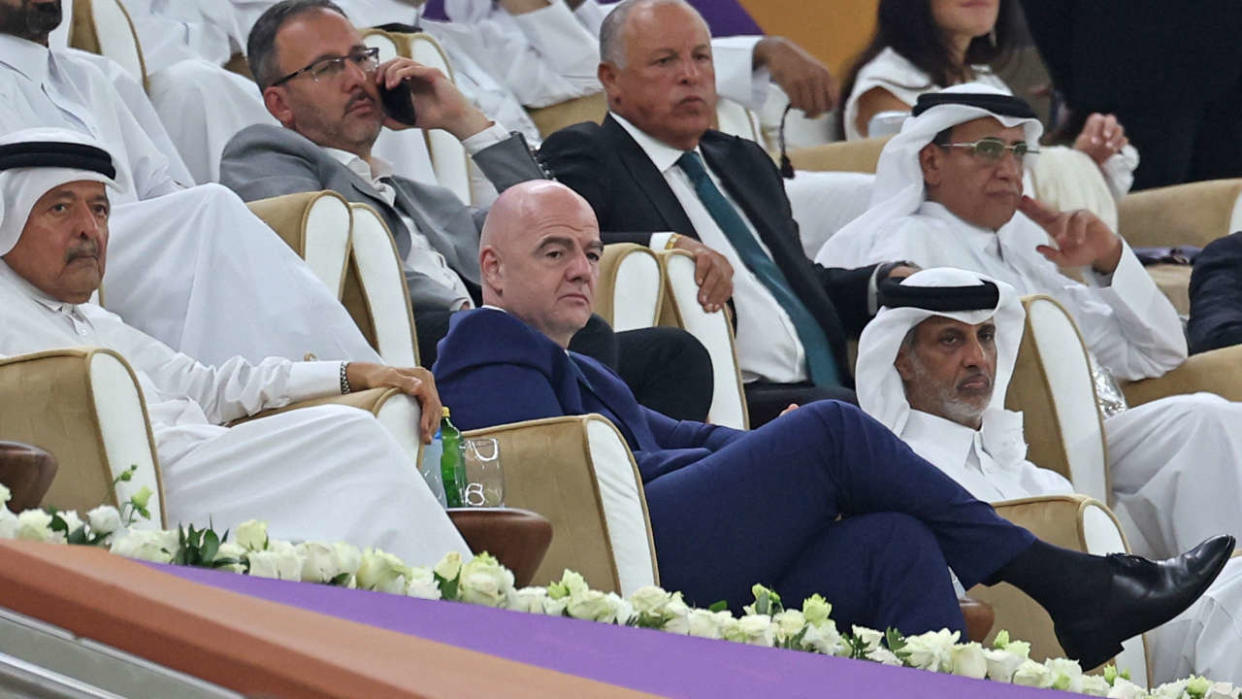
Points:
point(590, 14)
point(551, 58)
point(736, 78)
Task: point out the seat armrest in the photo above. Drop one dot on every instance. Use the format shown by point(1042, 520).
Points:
point(630, 290)
point(1185, 214)
point(578, 473)
point(842, 156)
point(84, 407)
point(519, 539)
point(1214, 372)
point(317, 226)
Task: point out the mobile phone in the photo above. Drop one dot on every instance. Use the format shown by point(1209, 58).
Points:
point(398, 103)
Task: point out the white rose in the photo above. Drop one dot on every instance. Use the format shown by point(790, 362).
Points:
point(570, 585)
point(930, 651)
point(484, 581)
point(1171, 690)
point(754, 630)
point(789, 624)
point(966, 659)
point(449, 567)
point(884, 656)
point(870, 638)
point(650, 599)
point(591, 605)
point(251, 535)
point(279, 565)
point(232, 550)
point(156, 546)
point(104, 520)
point(8, 523)
point(1125, 689)
point(348, 557)
point(1221, 690)
point(622, 610)
point(422, 584)
point(823, 639)
point(704, 623)
point(35, 525)
point(816, 610)
point(1094, 685)
point(1066, 674)
point(382, 571)
point(71, 519)
point(319, 561)
point(530, 600)
point(1032, 674)
point(677, 612)
point(1002, 664)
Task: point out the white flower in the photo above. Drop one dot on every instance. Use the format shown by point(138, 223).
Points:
point(650, 599)
point(706, 624)
point(884, 656)
point(8, 523)
point(930, 651)
point(449, 567)
point(319, 561)
point(71, 519)
point(232, 550)
point(677, 613)
point(1171, 690)
point(1032, 674)
point(484, 581)
point(1002, 664)
point(1221, 690)
point(104, 520)
point(966, 659)
point(270, 564)
point(823, 639)
point(1125, 689)
point(156, 546)
point(1066, 674)
point(251, 535)
point(817, 610)
point(789, 624)
point(382, 571)
point(35, 525)
point(592, 605)
point(571, 584)
point(1094, 685)
point(348, 557)
point(753, 629)
point(532, 600)
point(5, 495)
point(422, 584)
point(870, 638)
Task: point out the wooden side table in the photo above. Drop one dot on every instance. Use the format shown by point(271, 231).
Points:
point(979, 618)
point(27, 472)
point(517, 538)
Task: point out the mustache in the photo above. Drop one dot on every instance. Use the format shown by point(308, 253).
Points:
point(90, 249)
point(978, 373)
point(359, 97)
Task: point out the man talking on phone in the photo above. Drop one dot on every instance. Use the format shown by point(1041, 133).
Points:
point(329, 92)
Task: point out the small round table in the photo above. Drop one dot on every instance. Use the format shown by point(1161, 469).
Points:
point(27, 472)
point(517, 538)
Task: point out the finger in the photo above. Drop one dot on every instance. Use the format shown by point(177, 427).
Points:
point(823, 97)
point(1055, 256)
point(1091, 129)
point(702, 266)
point(1038, 211)
point(1108, 127)
point(710, 294)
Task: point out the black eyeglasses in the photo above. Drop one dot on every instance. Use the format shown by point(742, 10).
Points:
point(993, 149)
point(332, 67)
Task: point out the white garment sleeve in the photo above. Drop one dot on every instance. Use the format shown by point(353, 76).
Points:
point(736, 77)
point(590, 14)
point(550, 60)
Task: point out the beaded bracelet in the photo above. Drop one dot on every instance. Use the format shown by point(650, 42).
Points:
point(345, 378)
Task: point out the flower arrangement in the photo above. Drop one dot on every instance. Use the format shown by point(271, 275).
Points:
point(483, 580)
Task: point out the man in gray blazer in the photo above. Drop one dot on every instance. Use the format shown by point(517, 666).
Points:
point(324, 86)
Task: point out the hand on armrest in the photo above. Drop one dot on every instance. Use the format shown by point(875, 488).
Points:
point(416, 382)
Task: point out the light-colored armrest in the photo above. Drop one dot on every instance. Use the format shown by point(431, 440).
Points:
point(377, 296)
point(317, 226)
point(1185, 214)
point(1071, 521)
point(1214, 372)
point(85, 408)
point(630, 289)
point(577, 472)
point(842, 156)
point(555, 117)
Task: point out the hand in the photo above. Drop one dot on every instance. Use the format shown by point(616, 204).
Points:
point(1081, 237)
point(437, 102)
point(1102, 137)
point(808, 83)
point(712, 272)
point(416, 382)
point(788, 409)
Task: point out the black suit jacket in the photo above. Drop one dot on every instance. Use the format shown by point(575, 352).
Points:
point(632, 201)
point(1216, 296)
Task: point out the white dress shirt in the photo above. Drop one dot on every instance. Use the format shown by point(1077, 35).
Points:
point(768, 347)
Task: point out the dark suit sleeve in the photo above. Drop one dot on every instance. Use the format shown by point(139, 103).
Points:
point(848, 290)
point(1216, 296)
point(257, 170)
point(509, 162)
point(527, 396)
point(572, 155)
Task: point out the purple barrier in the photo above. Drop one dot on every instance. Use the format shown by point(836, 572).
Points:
point(639, 659)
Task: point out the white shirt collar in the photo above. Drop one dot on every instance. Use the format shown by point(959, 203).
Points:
point(26, 57)
point(978, 238)
point(662, 155)
point(371, 172)
point(951, 441)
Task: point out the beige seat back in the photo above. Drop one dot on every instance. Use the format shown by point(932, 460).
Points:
point(553, 118)
point(104, 27)
point(630, 290)
point(85, 408)
point(842, 156)
point(376, 294)
point(317, 226)
point(734, 119)
point(448, 156)
point(1052, 387)
point(682, 309)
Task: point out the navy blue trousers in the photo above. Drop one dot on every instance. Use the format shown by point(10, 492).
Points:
point(827, 500)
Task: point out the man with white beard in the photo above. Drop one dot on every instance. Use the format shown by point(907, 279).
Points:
point(325, 472)
point(194, 267)
point(934, 366)
point(948, 194)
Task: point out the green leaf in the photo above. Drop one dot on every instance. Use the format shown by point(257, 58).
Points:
point(58, 523)
point(211, 544)
point(448, 588)
point(224, 561)
point(718, 606)
point(896, 642)
point(78, 536)
point(341, 580)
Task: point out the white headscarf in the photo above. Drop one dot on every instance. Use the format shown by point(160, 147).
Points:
point(880, 390)
point(21, 188)
point(899, 189)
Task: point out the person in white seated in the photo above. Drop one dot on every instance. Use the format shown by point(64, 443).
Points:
point(327, 472)
point(934, 367)
point(948, 194)
point(193, 268)
point(923, 46)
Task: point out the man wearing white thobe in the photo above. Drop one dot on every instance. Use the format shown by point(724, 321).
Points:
point(193, 268)
point(938, 379)
point(947, 194)
point(327, 472)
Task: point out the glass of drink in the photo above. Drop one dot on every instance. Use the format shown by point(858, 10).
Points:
point(485, 481)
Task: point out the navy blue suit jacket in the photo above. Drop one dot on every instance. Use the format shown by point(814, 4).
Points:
point(1216, 295)
point(526, 376)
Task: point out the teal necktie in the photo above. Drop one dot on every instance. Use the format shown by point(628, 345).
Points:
point(819, 361)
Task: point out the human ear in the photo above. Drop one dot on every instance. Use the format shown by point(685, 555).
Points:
point(930, 161)
point(274, 100)
point(902, 364)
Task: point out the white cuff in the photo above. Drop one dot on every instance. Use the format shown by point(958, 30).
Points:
point(485, 139)
point(313, 380)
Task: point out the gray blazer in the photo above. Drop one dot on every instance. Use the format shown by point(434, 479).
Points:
point(263, 161)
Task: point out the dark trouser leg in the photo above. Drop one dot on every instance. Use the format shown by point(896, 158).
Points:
point(751, 511)
point(431, 327)
point(894, 558)
point(597, 341)
point(668, 370)
point(765, 401)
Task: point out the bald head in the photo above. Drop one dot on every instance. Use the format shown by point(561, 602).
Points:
point(539, 256)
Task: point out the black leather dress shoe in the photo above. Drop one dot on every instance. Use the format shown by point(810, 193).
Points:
point(1142, 595)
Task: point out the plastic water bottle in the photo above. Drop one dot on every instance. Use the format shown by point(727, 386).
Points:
point(452, 463)
point(430, 468)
